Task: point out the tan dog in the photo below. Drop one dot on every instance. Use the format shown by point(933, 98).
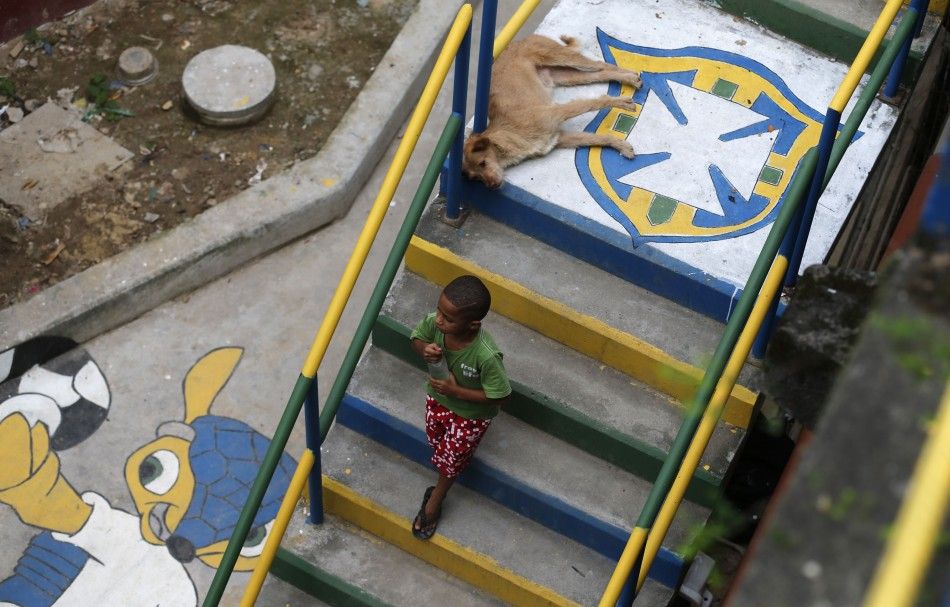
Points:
point(524, 121)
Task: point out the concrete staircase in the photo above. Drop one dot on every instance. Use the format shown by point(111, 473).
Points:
point(557, 484)
point(604, 340)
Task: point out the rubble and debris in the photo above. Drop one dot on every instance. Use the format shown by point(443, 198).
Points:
point(57, 248)
point(256, 177)
point(64, 141)
point(136, 66)
point(14, 114)
point(17, 49)
point(323, 43)
point(157, 42)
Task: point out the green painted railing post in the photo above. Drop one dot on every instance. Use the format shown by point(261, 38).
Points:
point(303, 385)
point(258, 489)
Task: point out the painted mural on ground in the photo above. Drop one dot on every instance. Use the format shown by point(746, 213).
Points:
point(725, 115)
point(697, 108)
point(187, 485)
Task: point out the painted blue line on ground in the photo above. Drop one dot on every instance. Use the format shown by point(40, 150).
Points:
point(552, 512)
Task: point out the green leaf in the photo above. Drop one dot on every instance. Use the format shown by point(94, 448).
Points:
point(7, 87)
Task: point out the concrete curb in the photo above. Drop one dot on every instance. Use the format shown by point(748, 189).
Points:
point(287, 206)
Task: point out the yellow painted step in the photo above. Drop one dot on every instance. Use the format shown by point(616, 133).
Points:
point(457, 560)
point(586, 334)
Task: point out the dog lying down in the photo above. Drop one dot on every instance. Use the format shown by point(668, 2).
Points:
point(524, 121)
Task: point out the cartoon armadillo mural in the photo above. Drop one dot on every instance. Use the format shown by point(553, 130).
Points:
point(188, 486)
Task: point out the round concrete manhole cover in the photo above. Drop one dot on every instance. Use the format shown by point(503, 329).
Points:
point(229, 85)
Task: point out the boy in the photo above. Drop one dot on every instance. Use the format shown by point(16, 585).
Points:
point(460, 407)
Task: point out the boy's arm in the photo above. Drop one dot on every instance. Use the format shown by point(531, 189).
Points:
point(450, 387)
point(493, 376)
point(430, 352)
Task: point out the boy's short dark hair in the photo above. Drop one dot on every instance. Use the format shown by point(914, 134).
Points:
point(469, 295)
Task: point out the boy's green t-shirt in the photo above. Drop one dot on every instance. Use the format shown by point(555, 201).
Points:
point(477, 365)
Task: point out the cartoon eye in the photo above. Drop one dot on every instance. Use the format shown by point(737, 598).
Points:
point(256, 537)
point(159, 471)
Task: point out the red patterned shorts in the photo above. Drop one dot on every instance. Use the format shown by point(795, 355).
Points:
point(453, 438)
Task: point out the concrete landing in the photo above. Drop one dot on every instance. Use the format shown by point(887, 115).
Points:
point(725, 115)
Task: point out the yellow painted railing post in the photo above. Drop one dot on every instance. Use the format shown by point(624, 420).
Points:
point(902, 568)
point(387, 190)
point(773, 283)
point(284, 514)
point(507, 33)
point(350, 274)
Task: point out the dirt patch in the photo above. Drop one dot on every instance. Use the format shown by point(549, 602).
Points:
point(323, 52)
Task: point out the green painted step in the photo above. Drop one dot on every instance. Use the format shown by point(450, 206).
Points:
point(813, 28)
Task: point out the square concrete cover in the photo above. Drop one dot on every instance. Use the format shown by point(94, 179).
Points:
point(726, 113)
point(51, 155)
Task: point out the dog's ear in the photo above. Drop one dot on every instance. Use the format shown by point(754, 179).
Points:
point(480, 143)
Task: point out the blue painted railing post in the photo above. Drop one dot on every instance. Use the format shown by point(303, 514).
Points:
point(768, 323)
point(311, 420)
point(825, 143)
point(486, 47)
point(917, 10)
point(629, 593)
point(453, 192)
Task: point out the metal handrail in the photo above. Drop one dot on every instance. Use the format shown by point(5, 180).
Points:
point(350, 360)
point(457, 46)
point(917, 527)
point(766, 299)
point(331, 319)
point(790, 228)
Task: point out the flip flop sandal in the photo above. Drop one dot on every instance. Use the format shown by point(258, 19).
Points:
point(427, 527)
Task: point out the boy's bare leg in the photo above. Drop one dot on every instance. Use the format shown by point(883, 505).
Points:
point(434, 505)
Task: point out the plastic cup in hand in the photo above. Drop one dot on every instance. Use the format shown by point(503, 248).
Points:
point(439, 369)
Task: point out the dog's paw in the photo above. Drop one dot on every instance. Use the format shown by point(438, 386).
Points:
point(624, 103)
point(633, 79)
point(626, 150)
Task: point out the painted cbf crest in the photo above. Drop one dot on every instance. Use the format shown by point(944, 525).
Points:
point(718, 138)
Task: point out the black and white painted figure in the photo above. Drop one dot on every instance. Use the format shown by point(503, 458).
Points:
point(52, 380)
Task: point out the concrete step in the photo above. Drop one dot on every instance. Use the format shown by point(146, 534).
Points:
point(338, 559)
point(555, 483)
point(647, 336)
point(517, 560)
point(835, 28)
point(572, 396)
point(278, 593)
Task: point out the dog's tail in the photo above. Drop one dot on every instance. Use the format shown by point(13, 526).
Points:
point(570, 41)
